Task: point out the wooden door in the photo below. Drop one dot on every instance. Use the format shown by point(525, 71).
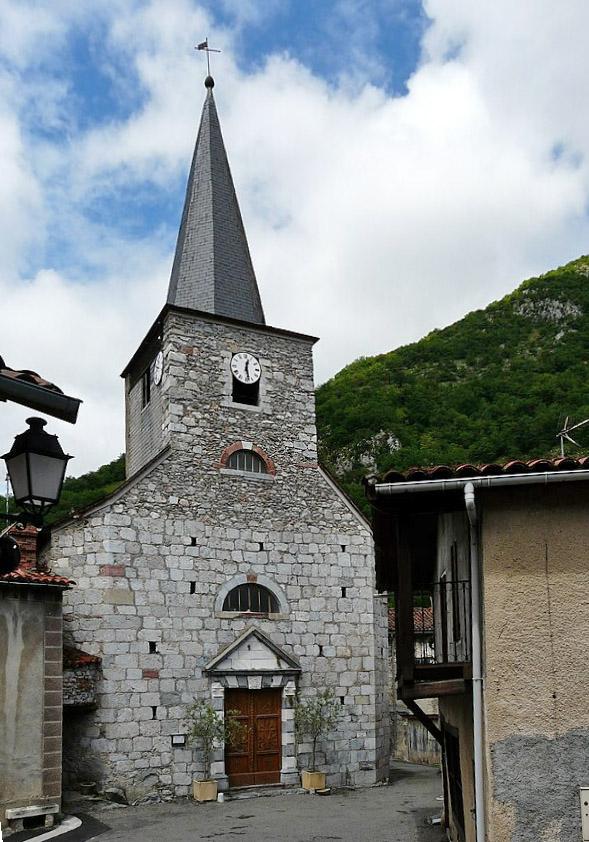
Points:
point(256, 759)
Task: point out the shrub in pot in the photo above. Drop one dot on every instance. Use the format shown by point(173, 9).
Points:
point(208, 729)
point(314, 719)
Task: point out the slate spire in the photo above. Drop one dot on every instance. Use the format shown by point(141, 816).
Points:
point(212, 268)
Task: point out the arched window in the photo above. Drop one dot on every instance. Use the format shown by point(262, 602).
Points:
point(247, 460)
point(251, 597)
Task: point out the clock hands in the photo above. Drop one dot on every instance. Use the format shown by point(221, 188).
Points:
point(245, 368)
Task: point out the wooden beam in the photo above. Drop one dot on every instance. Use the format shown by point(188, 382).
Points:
point(442, 671)
point(404, 632)
point(425, 720)
point(433, 689)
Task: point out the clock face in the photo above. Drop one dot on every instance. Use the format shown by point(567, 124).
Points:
point(158, 368)
point(245, 367)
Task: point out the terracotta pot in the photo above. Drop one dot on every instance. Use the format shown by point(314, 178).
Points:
point(204, 790)
point(313, 780)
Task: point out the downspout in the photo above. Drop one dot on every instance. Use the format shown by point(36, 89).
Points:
point(477, 674)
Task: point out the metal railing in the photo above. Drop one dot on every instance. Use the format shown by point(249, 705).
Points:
point(441, 623)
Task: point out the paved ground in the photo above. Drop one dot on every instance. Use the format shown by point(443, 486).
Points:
point(395, 813)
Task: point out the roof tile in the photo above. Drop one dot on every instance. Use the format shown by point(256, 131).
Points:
point(26, 576)
point(513, 466)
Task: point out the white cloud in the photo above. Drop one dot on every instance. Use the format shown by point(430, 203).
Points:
point(372, 218)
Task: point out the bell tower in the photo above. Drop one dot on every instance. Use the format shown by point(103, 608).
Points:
point(212, 274)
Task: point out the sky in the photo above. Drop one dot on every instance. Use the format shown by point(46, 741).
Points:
point(398, 164)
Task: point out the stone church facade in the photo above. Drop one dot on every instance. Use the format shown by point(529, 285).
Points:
point(228, 565)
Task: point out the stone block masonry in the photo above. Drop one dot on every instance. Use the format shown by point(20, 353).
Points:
point(151, 562)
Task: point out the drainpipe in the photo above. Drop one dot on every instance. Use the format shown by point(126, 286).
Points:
point(477, 674)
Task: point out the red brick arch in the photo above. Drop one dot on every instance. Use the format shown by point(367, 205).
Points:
point(238, 445)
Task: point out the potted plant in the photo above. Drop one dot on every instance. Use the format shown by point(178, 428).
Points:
point(207, 730)
point(314, 718)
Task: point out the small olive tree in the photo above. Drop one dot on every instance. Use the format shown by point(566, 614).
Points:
point(208, 729)
point(316, 717)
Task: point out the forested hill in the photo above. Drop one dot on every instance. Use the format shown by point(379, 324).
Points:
point(495, 385)
point(79, 492)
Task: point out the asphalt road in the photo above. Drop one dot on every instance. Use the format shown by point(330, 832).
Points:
point(395, 813)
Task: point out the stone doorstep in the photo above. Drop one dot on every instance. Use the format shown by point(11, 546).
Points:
point(261, 791)
point(33, 810)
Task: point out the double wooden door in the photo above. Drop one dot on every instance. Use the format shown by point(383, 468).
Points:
point(256, 758)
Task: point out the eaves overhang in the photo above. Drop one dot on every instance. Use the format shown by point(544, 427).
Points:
point(155, 330)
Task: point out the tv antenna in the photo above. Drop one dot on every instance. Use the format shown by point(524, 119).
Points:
point(565, 433)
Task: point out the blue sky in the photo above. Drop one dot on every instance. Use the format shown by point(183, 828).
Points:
point(372, 41)
point(398, 164)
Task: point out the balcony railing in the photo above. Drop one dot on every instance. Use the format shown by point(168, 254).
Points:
point(441, 623)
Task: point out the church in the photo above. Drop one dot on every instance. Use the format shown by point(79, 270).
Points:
point(229, 566)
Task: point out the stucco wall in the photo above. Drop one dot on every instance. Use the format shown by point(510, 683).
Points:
point(30, 696)
point(536, 597)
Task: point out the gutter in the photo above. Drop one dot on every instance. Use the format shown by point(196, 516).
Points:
point(546, 478)
point(39, 398)
point(477, 673)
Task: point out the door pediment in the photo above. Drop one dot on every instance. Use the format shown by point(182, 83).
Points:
point(253, 652)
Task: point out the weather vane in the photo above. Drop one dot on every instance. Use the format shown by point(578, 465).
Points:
point(564, 433)
point(205, 46)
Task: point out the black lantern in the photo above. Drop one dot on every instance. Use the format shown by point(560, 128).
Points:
point(36, 465)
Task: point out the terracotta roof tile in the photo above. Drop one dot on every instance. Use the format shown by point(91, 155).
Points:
point(423, 620)
point(26, 576)
point(514, 466)
point(27, 376)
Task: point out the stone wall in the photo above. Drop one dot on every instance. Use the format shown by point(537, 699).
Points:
point(80, 686)
point(151, 563)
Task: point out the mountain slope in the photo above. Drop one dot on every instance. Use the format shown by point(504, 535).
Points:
point(495, 385)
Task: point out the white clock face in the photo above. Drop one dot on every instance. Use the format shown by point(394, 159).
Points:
point(245, 367)
point(158, 368)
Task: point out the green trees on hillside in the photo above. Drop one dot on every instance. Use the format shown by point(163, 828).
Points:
point(494, 386)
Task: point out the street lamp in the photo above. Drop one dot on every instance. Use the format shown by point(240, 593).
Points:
point(36, 465)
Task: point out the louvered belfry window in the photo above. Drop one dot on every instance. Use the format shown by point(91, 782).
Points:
point(252, 598)
point(247, 460)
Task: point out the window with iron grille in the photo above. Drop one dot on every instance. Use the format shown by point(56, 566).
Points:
point(251, 597)
point(247, 460)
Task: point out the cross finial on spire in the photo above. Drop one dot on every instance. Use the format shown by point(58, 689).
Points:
point(204, 45)
point(212, 270)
